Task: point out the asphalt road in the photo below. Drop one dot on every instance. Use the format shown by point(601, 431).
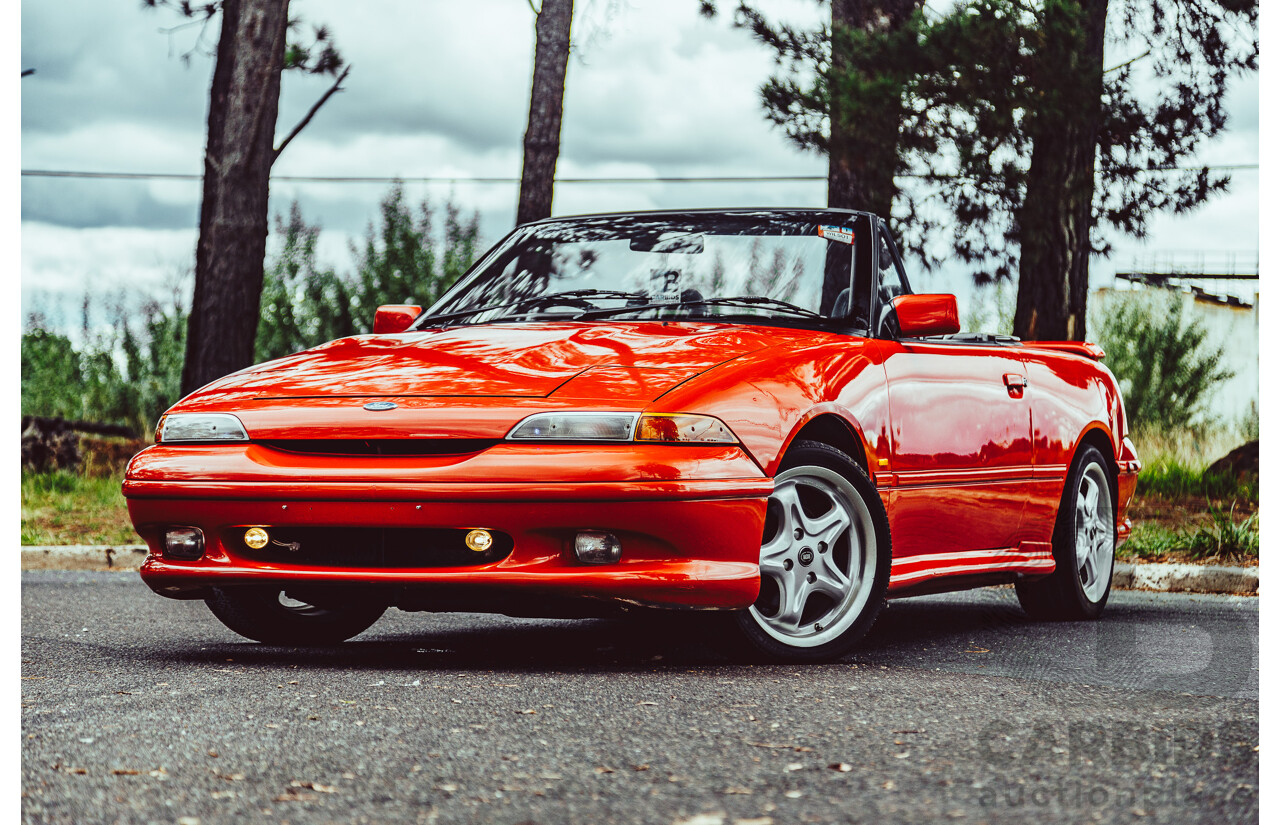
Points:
point(957, 708)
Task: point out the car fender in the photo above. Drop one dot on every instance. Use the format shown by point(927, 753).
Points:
point(845, 417)
point(767, 397)
point(1071, 395)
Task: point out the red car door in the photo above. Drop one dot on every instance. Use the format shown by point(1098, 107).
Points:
point(960, 434)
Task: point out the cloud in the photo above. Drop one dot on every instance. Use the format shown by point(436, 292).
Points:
point(437, 89)
point(73, 203)
point(99, 63)
point(60, 264)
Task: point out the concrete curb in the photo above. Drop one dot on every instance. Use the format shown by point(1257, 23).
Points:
point(1186, 578)
point(84, 557)
point(1170, 578)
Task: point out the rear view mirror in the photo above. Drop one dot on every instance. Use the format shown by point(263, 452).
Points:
point(393, 318)
point(923, 315)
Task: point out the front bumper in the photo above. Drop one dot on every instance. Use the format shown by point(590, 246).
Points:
point(690, 523)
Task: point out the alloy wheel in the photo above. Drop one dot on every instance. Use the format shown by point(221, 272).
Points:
point(817, 560)
point(1095, 532)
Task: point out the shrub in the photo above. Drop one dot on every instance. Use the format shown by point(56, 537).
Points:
point(51, 376)
point(303, 304)
point(1249, 426)
point(119, 376)
point(1166, 366)
point(404, 260)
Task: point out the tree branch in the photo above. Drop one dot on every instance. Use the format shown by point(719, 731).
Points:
point(1127, 62)
point(302, 124)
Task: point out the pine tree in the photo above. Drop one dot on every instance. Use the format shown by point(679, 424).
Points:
point(1006, 116)
point(240, 150)
point(546, 108)
point(402, 259)
point(844, 91)
point(303, 303)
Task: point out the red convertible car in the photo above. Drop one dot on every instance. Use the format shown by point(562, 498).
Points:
point(746, 411)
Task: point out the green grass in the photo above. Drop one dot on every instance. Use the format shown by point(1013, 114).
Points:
point(1174, 464)
point(65, 508)
point(1168, 478)
point(1150, 541)
point(1224, 537)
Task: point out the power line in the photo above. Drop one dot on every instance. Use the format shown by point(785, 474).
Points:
point(52, 173)
point(90, 175)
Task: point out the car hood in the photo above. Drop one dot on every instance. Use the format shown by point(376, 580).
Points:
point(474, 382)
point(618, 361)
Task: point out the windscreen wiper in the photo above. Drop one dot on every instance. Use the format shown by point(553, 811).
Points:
point(582, 294)
point(740, 301)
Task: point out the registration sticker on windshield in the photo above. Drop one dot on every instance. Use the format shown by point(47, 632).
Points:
point(839, 234)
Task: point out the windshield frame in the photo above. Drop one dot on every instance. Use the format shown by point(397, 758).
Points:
point(861, 263)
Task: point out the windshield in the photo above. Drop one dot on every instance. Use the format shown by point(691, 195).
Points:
point(772, 267)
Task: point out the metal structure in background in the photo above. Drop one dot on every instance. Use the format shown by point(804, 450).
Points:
point(1194, 271)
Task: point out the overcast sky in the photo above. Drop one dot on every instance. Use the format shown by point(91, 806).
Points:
point(437, 89)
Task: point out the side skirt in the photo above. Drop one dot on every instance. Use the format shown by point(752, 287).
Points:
point(910, 573)
point(951, 584)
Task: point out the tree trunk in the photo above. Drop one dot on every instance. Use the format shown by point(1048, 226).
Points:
point(546, 105)
point(243, 104)
point(1057, 213)
point(863, 147)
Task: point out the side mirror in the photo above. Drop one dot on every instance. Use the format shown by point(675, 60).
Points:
point(393, 318)
point(922, 315)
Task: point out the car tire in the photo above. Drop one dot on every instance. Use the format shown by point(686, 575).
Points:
point(1084, 545)
point(269, 615)
point(825, 557)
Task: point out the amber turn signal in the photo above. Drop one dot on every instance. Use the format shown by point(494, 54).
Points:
point(256, 538)
point(479, 540)
point(683, 428)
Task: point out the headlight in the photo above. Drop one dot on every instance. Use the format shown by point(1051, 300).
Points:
point(200, 427)
point(575, 426)
point(588, 426)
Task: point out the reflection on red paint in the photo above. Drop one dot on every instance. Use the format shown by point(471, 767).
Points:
point(967, 459)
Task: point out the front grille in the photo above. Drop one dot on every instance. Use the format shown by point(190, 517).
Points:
point(381, 446)
point(389, 547)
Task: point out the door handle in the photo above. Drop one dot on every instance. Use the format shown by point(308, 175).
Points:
point(1014, 381)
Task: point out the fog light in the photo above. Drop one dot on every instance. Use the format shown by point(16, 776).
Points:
point(479, 540)
point(597, 548)
point(256, 538)
point(184, 542)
